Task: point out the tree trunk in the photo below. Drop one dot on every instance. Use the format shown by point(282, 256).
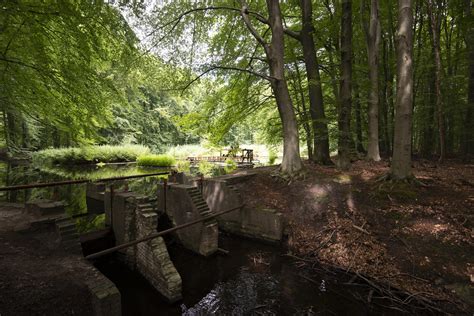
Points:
point(435, 30)
point(358, 120)
point(373, 34)
point(316, 103)
point(291, 162)
point(274, 51)
point(468, 137)
point(304, 115)
point(401, 162)
point(344, 141)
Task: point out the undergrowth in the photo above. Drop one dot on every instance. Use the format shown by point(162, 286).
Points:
point(89, 154)
point(156, 160)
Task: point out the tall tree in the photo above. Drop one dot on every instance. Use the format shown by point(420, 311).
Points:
point(433, 13)
point(344, 141)
point(401, 162)
point(316, 102)
point(274, 51)
point(373, 35)
point(468, 137)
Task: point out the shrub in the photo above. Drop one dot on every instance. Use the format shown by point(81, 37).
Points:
point(205, 167)
point(272, 156)
point(183, 166)
point(89, 154)
point(156, 160)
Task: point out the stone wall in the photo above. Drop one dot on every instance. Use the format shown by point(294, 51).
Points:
point(222, 194)
point(153, 260)
point(106, 299)
point(184, 203)
point(135, 217)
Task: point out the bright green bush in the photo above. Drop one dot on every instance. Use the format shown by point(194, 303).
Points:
point(156, 160)
point(205, 167)
point(183, 165)
point(89, 154)
point(272, 156)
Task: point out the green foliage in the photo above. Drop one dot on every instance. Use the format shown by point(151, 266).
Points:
point(62, 64)
point(156, 160)
point(86, 224)
point(272, 156)
point(185, 151)
point(183, 166)
point(89, 154)
point(206, 168)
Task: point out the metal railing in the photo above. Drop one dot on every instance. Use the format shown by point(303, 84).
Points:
point(79, 181)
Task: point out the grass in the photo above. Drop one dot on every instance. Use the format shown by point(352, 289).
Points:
point(89, 154)
point(156, 160)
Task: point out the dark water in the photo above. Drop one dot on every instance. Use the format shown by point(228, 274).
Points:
point(253, 279)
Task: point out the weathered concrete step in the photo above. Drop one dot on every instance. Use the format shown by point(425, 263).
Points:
point(147, 205)
point(206, 213)
point(74, 236)
point(67, 232)
point(203, 208)
point(148, 210)
point(200, 203)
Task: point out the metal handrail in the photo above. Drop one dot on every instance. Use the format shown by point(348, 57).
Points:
point(59, 183)
point(158, 234)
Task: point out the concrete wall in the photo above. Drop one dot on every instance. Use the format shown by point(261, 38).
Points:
point(95, 197)
point(106, 299)
point(153, 260)
point(134, 217)
point(221, 194)
point(184, 203)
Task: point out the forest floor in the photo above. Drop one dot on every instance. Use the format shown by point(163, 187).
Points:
point(416, 239)
point(38, 278)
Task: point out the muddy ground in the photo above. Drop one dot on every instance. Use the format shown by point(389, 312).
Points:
point(417, 239)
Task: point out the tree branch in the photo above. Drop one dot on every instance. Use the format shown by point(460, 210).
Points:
point(215, 67)
point(244, 12)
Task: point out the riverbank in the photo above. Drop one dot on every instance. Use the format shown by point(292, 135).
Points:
point(416, 239)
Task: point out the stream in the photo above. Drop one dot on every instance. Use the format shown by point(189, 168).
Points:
point(253, 279)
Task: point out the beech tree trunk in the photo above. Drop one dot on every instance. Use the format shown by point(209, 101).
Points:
point(274, 51)
point(373, 34)
point(401, 162)
point(303, 113)
point(316, 102)
point(435, 30)
point(468, 137)
point(358, 119)
point(344, 141)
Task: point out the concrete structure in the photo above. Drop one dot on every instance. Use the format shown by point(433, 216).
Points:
point(134, 217)
point(45, 207)
point(95, 197)
point(183, 204)
point(106, 299)
point(68, 235)
point(221, 193)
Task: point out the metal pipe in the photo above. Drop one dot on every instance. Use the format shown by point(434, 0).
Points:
point(164, 232)
point(52, 184)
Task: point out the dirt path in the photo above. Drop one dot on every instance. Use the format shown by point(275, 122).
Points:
point(37, 278)
point(418, 239)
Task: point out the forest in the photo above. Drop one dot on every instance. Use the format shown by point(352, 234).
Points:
point(359, 115)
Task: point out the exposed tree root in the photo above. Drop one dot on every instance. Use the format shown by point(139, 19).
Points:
point(411, 180)
point(289, 177)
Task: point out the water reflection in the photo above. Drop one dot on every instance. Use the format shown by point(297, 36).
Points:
point(74, 196)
